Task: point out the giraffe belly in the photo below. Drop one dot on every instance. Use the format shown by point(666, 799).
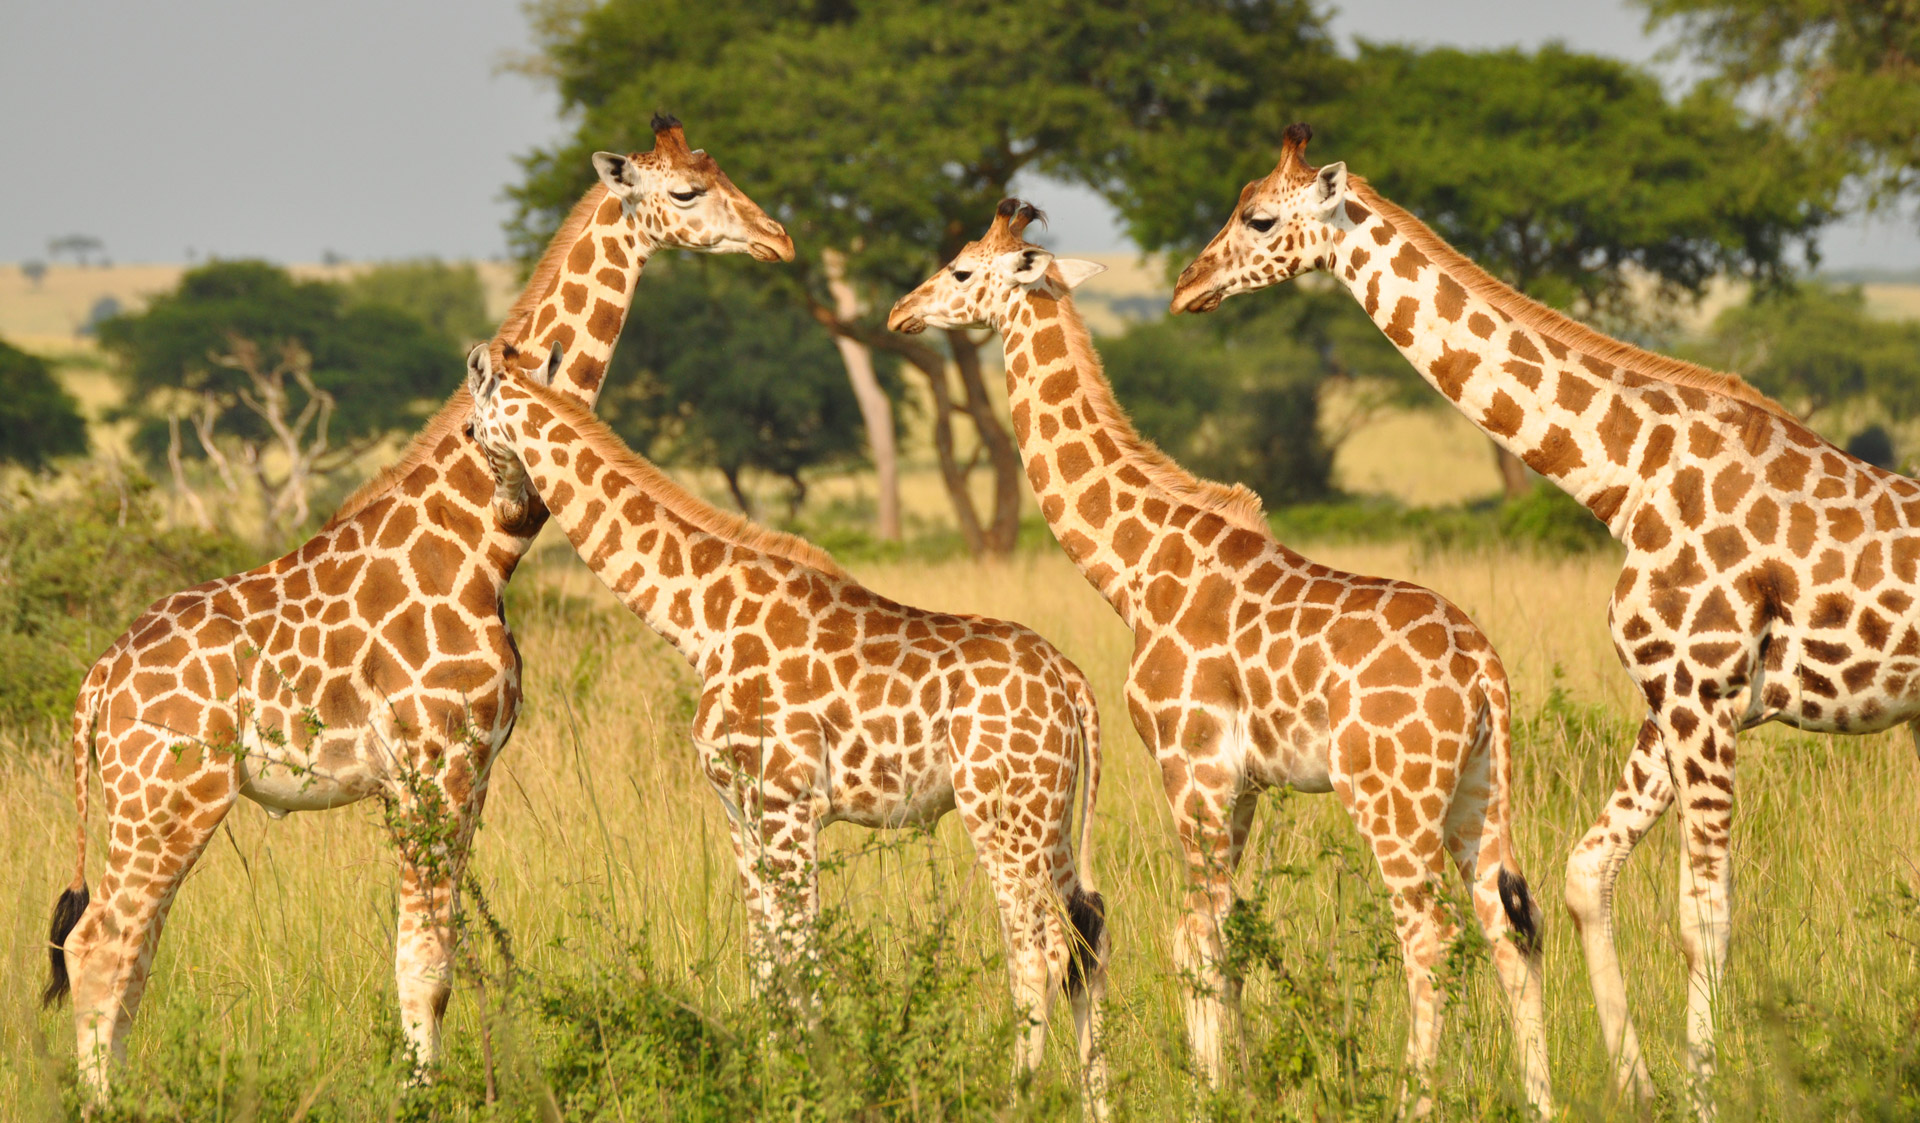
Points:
point(889, 791)
point(1863, 693)
point(285, 780)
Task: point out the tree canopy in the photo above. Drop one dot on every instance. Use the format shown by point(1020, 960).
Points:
point(1846, 72)
point(381, 364)
point(715, 372)
point(1815, 347)
point(39, 420)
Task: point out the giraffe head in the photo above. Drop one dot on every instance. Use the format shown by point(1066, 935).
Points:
point(515, 504)
point(1285, 224)
point(976, 288)
point(684, 201)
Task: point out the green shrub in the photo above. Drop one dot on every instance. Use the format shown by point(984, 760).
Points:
point(39, 420)
point(75, 570)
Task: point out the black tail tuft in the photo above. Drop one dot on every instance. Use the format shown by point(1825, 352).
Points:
point(66, 913)
point(1520, 911)
point(1088, 914)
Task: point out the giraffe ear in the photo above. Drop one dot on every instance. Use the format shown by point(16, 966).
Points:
point(1330, 188)
point(1074, 271)
point(1025, 267)
point(616, 171)
point(556, 357)
point(480, 379)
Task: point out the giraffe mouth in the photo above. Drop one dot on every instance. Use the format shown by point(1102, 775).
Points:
point(906, 323)
point(770, 251)
point(1196, 302)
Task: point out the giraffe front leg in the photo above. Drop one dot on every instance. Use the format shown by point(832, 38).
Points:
point(1213, 829)
point(1642, 796)
point(775, 845)
point(433, 834)
point(1700, 761)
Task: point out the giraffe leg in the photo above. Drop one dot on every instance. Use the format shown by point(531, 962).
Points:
point(151, 849)
point(775, 845)
point(1213, 830)
point(1089, 999)
point(1643, 795)
point(1703, 786)
point(434, 843)
point(1474, 844)
point(1425, 934)
point(1022, 864)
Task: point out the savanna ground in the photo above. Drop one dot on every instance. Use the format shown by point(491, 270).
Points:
point(605, 974)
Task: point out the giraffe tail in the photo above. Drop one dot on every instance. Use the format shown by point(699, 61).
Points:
point(1086, 909)
point(1515, 898)
point(72, 903)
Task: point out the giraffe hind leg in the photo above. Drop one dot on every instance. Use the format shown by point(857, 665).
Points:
point(110, 949)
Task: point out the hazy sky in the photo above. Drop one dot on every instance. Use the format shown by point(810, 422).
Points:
point(386, 128)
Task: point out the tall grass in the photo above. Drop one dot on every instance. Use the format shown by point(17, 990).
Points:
point(604, 860)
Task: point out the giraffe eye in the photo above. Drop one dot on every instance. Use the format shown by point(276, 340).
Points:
point(686, 196)
point(962, 275)
point(1261, 223)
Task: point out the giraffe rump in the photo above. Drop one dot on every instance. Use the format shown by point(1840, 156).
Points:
point(67, 911)
point(1543, 319)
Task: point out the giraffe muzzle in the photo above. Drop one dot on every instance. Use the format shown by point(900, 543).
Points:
point(905, 321)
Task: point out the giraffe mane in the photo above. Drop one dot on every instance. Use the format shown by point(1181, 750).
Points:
point(1236, 503)
point(422, 448)
point(1574, 334)
point(737, 529)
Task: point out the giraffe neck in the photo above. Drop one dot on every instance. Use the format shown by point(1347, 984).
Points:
point(1567, 413)
point(627, 521)
point(579, 293)
point(1105, 491)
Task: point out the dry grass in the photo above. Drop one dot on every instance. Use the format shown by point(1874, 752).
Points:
point(599, 826)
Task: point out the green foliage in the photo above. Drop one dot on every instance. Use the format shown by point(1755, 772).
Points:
point(447, 298)
point(1559, 172)
point(1545, 519)
point(39, 420)
point(382, 364)
point(1815, 346)
point(713, 369)
point(891, 130)
point(1236, 397)
point(1841, 70)
point(76, 569)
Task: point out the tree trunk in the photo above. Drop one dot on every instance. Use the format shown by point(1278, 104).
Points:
point(1004, 532)
point(875, 409)
point(952, 473)
point(1513, 473)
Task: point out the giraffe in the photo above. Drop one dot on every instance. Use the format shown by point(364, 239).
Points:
point(1255, 667)
point(375, 660)
point(1768, 575)
point(823, 702)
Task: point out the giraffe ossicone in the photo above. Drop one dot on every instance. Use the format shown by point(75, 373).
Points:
point(822, 702)
point(1254, 667)
point(1768, 575)
point(372, 661)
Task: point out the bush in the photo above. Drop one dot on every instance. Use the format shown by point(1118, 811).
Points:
point(39, 420)
point(75, 570)
point(1545, 519)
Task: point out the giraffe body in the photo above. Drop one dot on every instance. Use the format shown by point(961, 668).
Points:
point(1255, 667)
point(375, 660)
point(1768, 576)
point(823, 702)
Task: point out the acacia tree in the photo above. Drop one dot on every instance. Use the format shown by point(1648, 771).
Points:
point(883, 135)
point(1569, 176)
